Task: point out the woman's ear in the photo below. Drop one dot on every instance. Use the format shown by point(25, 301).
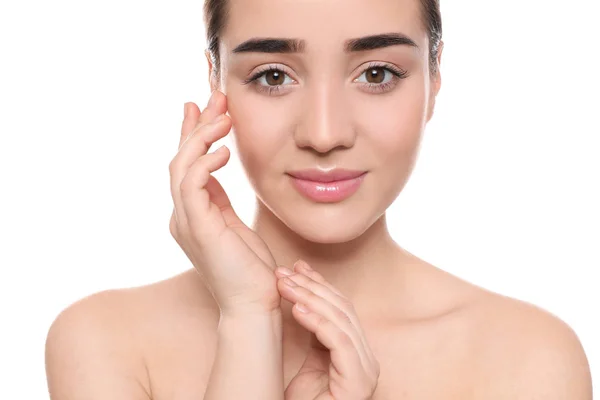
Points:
point(211, 79)
point(436, 83)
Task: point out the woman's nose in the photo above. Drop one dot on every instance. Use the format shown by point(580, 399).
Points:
point(325, 123)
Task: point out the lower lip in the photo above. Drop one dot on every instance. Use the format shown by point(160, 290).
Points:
point(328, 192)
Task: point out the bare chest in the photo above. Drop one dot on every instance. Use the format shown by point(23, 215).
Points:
point(412, 367)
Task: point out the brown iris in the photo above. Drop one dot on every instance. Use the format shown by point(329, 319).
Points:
point(277, 75)
point(377, 74)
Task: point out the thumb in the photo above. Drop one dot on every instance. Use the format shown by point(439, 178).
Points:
point(317, 360)
point(312, 380)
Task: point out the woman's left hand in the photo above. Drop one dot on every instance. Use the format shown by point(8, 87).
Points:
point(339, 364)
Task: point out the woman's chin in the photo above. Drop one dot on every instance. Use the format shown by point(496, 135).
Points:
point(326, 226)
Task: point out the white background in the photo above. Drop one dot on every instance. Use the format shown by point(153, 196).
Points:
point(505, 193)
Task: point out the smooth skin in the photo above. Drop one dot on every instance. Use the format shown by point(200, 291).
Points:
point(459, 342)
point(339, 363)
point(382, 323)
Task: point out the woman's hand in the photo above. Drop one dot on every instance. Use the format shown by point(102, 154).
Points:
point(339, 365)
point(234, 262)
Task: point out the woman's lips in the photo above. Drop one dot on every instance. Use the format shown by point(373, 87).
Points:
point(328, 192)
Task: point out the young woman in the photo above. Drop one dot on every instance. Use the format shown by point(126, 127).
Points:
point(327, 102)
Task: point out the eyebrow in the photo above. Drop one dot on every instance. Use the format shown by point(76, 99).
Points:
point(285, 45)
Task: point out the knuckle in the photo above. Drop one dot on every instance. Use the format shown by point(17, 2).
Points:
point(376, 369)
point(322, 324)
point(306, 295)
point(173, 166)
point(308, 284)
point(173, 228)
point(343, 339)
point(346, 304)
point(373, 385)
point(186, 187)
point(372, 375)
point(365, 387)
point(342, 316)
point(189, 183)
point(367, 390)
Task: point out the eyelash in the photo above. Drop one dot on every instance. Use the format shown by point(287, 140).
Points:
point(397, 74)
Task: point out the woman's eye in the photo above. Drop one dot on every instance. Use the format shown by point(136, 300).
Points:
point(376, 81)
point(270, 81)
point(376, 75)
point(273, 77)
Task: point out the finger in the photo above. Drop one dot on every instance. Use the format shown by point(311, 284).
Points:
point(317, 358)
point(304, 267)
point(193, 148)
point(340, 301)
point(343, 309)
point(312, 378)
point(221, 200)
point(204, 219)
point(343, 353)
point(191, 114)
point(328, 304)
point(192, 122)
point(217, 104)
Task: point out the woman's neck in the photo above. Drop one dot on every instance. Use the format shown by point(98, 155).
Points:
point(366, 269)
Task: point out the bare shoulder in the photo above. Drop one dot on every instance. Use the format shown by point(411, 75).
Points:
point(515, 350)
point(91, 350)
point(527, 352)
point(100, 346)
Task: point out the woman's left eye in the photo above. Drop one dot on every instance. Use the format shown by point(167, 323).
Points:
point(377, 74)
point(376, 77)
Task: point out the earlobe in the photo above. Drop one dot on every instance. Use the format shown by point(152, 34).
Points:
point(431, 109)
point(433, 94)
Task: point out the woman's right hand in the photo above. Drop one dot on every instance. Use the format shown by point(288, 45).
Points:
point(233, 261)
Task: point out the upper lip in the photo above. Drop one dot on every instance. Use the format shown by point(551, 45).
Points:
point(319, 175)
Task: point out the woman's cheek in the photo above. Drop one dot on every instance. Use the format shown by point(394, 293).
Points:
point(259, 142)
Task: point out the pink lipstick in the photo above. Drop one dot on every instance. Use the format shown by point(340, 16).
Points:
point(327, 186)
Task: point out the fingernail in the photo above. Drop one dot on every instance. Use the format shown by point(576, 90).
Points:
point(301, 307)
point(185, 110)
point(285, 271)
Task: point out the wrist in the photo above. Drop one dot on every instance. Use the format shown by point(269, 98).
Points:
point(250, 311)
point(249, 314)
point(247, 322)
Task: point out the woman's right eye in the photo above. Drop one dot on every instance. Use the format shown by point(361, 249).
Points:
point(269, 80)
point(272, 77)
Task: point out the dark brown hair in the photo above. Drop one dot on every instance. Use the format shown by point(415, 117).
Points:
point(216, 15)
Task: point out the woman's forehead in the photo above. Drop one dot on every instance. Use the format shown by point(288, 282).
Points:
point(322, 22)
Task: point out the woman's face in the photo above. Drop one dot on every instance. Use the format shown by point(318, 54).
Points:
point(327, 106)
